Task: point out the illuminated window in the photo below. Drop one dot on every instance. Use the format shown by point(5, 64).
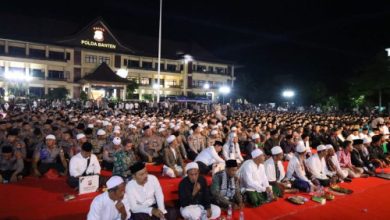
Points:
point(105, 60)
point(145, 81)
point(90, 59)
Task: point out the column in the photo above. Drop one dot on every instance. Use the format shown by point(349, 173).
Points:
point(185, 77)
point(27, 49)
point(47, 51)
point(6, 47)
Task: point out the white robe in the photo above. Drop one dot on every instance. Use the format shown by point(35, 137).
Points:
point(103, 208)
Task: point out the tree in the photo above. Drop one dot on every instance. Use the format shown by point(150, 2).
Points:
point(83, 95)
point(373, 79)
point(131, 87)
point(58, 93)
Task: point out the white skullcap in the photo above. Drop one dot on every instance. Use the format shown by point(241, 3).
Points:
point(257, 152)
point(79, 136)
point(114, 181)
point(232, 135)
point(171, 138)
point(187, 122)
point(255, 136)
point(163, 126)
point(276, 150)
point(101, 132)
point(192, 165)
point(50, 137)
point(117, 141)
point(117, 131)
point(90, 126)
point(147, 124)
point(172, 125)
point(161, 130)
point(329, 146)
point(321, 147)
point(166, 120)
point(205, 124)
point(117, 128)
point(367, 140)
point(177, 127)
point(214, 132)
point(300, 148)
point(233, 129)
point(105, 123)
point(98, 121)
point(219, 124)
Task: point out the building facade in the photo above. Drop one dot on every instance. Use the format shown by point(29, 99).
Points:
point(95, 61)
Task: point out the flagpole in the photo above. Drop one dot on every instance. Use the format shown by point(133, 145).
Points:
point(159, 55)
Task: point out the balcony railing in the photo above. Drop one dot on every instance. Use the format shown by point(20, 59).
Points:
point(153, 69)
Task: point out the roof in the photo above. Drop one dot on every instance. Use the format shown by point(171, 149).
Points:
point(104, 74)
point(50, 31)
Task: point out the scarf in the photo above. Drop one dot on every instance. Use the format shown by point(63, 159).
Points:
point(228, 187)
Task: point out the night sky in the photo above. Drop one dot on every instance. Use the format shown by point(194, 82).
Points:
point(280, 43)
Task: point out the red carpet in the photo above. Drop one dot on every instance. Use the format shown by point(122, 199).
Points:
point(43, 199)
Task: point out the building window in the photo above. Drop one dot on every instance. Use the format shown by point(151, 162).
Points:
point(162, 66)
point(16, 51)
point(54, 55)
point(104, 60)
point(211, 69)
point(68, 56)
point(56, 75)
point(133, 63)
point(220, 70)
point(16, 69)
point(171, 67)
point(37, 91)
point(147, 65)
point(36, 53)
point(171, 83)
point(2, 70)
point(90, 59)
point(38, 73)
point(201, 69)
point(2, 49)
point(145, 81)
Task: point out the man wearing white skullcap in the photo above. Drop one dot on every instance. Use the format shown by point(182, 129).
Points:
point(194, 197)
point(173, 161)
point(254, 181)
point(48, 155)
point(275, 172)
point(213, 137)
point(112, 204)
point(333, 164)
point(316, 165)
point(254, 143)
point(296, 170)
point(109, 151)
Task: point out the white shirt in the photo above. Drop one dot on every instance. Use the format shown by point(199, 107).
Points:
point(253, 177)
point(209, 156)
point(234, 153)
point(141, 198)
point(269, 166)
point(318, 167)
point(78, 164)
point(103, 208)
point(295, 167)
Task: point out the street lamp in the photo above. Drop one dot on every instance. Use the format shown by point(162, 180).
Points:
point(206, 86)
point(288, 94)
point(224, 90)
point(122, 73)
